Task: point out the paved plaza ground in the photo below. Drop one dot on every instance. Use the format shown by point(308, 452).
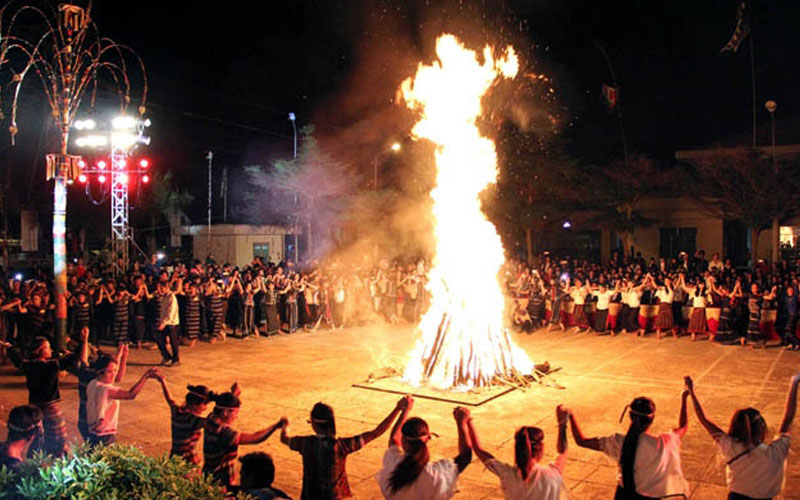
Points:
point(286, 375)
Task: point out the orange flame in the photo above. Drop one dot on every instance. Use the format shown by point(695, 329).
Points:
point(463, 343)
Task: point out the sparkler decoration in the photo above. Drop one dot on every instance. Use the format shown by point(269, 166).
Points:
point(61, 46)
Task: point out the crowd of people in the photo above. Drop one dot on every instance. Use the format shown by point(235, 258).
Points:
point(177, 305)
point(649, 465)
point(685, 295)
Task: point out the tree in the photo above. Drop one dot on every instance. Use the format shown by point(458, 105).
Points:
point(168, 201)
point(535, 183)
point(748, 186)
point(310, 190)
point(615, 193)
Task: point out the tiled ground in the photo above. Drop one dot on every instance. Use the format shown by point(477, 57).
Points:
point(288, 374)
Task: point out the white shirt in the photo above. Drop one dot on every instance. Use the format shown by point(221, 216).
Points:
point(759, 473)
point(657, 467)
point(579, 296)
point(603, 299)
point(664, 295)
point(634, 299)
point(545, 482)
point(173, 318)
point(102, 412)
point(437, 481)
point(698, 300)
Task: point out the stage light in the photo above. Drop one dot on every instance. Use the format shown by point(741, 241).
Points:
point(160, 256)
point(81, 164)
point(91, 141)
point(396, 147)
point(85, 124)
point(101, 178)
point(70, 182)
point(82, 178)
point(145, 179)
point(123, 140)
point(101, 164)
point(18, 277)
point(122, 163)
point(144, 163)
point(123, 178)
point(123, 123)
point(566, 225)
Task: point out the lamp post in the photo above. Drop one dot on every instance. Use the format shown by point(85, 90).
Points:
point(394, 148)
point(772, 106)
point(293, 119)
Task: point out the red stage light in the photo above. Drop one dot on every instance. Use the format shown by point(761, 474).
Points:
point(101, 178)
point(101, 164)
point(144, 163)
point(81, 164)
point(122, 163)
point(82, 178)
point(123, 178)
point(145, 179)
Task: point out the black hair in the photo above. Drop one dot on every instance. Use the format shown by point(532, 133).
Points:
point(198, 394)
point(748, 427)
point(102, 363)
point(224, 401)
point(642, 413)
point(408, 470)
point(258, 470)
point(24, 422)
point(322, 418)
point(36, 345)
point(528, 444)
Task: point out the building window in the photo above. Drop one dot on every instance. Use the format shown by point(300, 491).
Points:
point(674, 240)
point(261, 250)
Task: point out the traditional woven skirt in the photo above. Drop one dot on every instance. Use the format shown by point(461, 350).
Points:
point(664, 319)
point(601, 320)
point(697, 320)
point(712, 319)
point(632, 319)
point(724, 327)
point(614, 310)
point(55, 429)
point(579, 317)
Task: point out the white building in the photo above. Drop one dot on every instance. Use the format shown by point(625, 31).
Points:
point(239, 244)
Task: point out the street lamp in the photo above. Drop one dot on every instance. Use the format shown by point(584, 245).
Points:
point(293, 119)
point(394, 148)
point(776, 238)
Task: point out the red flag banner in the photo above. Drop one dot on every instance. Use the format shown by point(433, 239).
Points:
point(611, 95)
point(742, 28)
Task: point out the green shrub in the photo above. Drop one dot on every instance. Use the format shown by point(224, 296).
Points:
point(116, 472)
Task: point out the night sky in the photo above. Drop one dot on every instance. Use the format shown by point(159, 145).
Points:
point(223, 76)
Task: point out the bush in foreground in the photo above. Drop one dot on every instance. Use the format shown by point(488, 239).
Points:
point(117, 472)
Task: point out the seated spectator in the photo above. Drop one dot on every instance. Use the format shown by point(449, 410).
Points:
point(24, 429)
point(257, 473)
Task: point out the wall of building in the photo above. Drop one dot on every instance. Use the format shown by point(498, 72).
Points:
point(677, 213)
point(234, 243)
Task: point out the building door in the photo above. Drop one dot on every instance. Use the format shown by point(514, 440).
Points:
point(261, 250)
point(673, 240)
point(734, 242)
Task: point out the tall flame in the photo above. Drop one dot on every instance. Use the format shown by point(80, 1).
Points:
point(463, 343)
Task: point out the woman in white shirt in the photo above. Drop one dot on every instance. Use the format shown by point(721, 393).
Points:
point(754, 470)
point(649, 466)
point(604, 296)
point(664, 319)
point(407, 472)
point(527, 480)
point(697, 319)
point(102, 401)
point(634, 301)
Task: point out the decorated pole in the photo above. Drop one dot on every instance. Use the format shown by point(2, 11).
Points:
point(61, 47)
